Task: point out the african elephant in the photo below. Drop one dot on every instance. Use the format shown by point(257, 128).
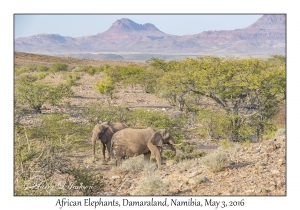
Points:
point(104, 132)
point(131, 142)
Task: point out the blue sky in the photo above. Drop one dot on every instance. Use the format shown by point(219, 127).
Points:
point(84, 25)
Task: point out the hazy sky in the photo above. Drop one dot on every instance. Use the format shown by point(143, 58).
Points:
point(84, 25)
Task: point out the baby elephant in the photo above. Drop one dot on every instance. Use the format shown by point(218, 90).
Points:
point(132, 142)
point(104, 132)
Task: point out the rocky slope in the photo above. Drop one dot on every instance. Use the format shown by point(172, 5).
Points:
point(258, 169)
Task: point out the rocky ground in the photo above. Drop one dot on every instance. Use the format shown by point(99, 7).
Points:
point(257, 169)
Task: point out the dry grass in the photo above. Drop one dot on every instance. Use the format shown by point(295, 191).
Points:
point(185, 165)
point(215, 161)
point(198, 180)
point(152, 184)
point(134, 164)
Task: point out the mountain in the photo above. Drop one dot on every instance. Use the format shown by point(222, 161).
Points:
point(126, 26)
point(264, 37)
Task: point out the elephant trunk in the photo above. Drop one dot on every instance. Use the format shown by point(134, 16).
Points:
point(172, 144)
point(173, 149)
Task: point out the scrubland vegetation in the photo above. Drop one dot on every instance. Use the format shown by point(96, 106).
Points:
point(226, 101)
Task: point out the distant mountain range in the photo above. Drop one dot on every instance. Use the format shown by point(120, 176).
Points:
point(126, 39)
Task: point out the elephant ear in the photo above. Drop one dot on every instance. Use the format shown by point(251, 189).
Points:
point(97, 129)
point(156, 139)
point(108, 127)
point(164, 133)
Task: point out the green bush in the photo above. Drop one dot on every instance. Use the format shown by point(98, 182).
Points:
point(35, 95)
point(186, 148)
point(168, 154)
point(37, 161)
point(87, 182)
point(182, 157)
point(41, 155)
point(58, 66)
point(28, 78)
point(226, 144)
point(59, 129)
point(42, 75)
point(198, 154)
point(43, 68)
point(100, 112)
point(106, 87)
point(71, 79)
point(246, 143)
point(158, 119)
point(30, 68)
point(92, 70)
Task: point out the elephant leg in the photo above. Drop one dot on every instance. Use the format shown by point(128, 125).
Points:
point(103, 150)
point(154, 150)
point(108, 147)
point(147, 156)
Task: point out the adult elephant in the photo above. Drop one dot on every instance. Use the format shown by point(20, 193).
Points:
point(104, 132)
point(131, 142)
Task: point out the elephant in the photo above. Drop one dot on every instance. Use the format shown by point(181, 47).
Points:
point(131, 142)
point(104, 132)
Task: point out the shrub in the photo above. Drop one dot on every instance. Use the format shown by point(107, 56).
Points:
point(186, 148)
point(157, 119)
point(106, 87)
point(185, 165)
point(42, 68)
point(30, 68)
point(87, 182)
point(150, 185)
point(35, 95)
point(215, 161)
point(58, 129)
point(57, 66)
point(36, 163)
point(246, 143)
point(28, 78)
point(226, 144)
point(92, 70)
point(100, 112)
point(149, 168)
point(198, 154)
point(198, 180)
point(71, 79)
point(41, 153)
point(42, 75)
point(169, 154)
point(131, 165)
point(181, 157)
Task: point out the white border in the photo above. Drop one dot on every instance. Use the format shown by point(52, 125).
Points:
point(8, 8)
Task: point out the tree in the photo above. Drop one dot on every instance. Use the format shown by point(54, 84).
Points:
point(243, 88)
point(106, 86)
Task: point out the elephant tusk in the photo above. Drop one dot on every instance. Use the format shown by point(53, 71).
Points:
point(177, 144)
